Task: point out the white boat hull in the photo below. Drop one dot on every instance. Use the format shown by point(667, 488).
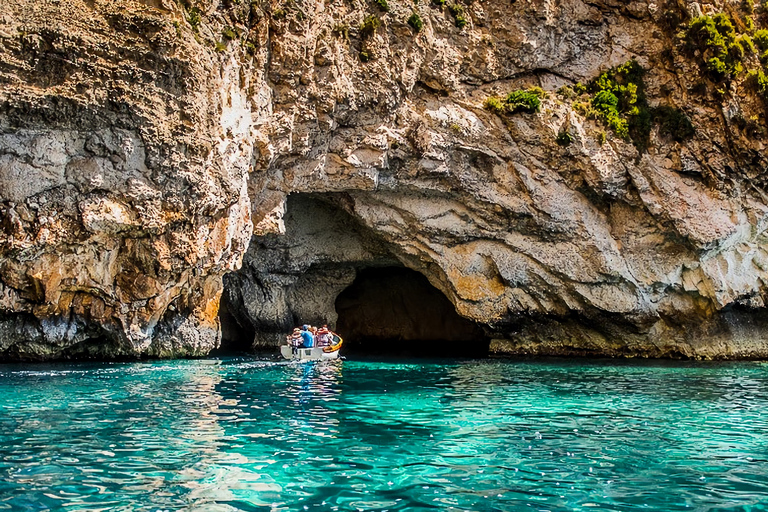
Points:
point(307, 354)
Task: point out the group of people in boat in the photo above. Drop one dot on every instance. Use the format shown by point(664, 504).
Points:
point(308, 336)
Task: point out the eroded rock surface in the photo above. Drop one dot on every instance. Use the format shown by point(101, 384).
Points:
point(124, 151)
point(141, 143)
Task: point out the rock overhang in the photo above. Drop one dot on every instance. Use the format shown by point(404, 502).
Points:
point(144, 172)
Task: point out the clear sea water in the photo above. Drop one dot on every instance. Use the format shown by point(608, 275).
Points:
point(245, 434)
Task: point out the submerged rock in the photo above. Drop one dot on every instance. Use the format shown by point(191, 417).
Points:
point(142, 143)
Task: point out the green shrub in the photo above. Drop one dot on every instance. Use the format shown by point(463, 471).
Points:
point(415, 22)
point(721, 48)
point(365, 56)
point(761, 39)
point(221, 46)
point(606, 102)
point(383, 5)
point(724, 25)
point(619, 101)
point(369, 26)
point(703, 34)
point(521, 100)
point(619, 126)
point(717, 68)
point(759, 81)
point(524, 100)
point(438, 3)
point(459, 15)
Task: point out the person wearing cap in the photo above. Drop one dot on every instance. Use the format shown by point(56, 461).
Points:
point(306, 335)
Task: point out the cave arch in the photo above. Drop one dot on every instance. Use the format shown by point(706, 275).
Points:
point(396, 311)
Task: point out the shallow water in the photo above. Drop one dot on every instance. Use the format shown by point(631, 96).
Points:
point(243, 434)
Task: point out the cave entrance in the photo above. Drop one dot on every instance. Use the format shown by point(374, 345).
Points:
point(395, 311)
point(236, 336)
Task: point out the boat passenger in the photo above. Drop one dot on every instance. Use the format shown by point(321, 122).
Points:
point(295, 340)
point(323, 336)
point(306, 334)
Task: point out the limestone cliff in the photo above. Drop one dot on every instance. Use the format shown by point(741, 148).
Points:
point(141, 144)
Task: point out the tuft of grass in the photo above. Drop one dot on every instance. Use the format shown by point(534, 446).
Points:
point(528, 100)
point(229, 33)
point(758, 80)
point(369, 26)
point(438, 3)
point(383, 5)
point(459, 15)
point(521, 100)
point(761, 39)
point(341, 30)
point(567, 92)
point(495, 105)
point(601, 137)
point(194, 18)
point(221, 46)
point(365, 56)
point(415, 22)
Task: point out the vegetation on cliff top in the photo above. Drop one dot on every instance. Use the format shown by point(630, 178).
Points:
point(727, 46)
point(616, 98)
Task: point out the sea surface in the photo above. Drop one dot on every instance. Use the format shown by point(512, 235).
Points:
point(249, 434)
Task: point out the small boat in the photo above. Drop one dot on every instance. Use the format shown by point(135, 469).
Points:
point(311, 354)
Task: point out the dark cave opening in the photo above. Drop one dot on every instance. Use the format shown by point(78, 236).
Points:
point(235, 337)
point(395, 311)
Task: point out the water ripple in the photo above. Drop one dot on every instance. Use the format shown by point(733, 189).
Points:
point(245, 434)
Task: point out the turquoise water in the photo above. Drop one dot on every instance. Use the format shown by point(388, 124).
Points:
point(242, 434)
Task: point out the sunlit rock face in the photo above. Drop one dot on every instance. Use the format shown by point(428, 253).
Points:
point(141, 143)
point(124, 152)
